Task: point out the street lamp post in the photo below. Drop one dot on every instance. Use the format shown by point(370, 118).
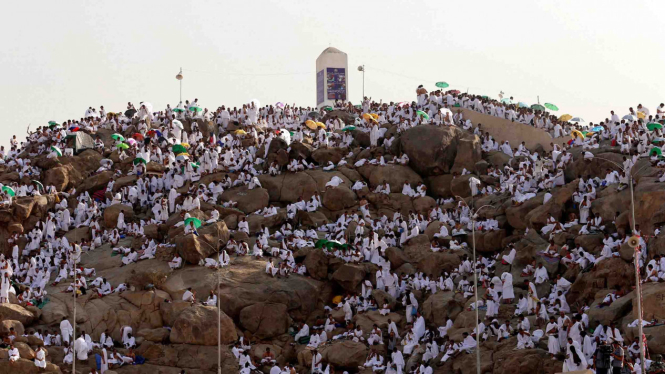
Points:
point(474, 213)
point(77, 254)
point(179, 77)
point(636, 260)
point(219, 307)
point(361, 68)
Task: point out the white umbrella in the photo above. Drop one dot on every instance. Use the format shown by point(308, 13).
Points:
point(106, 162)
point(576, 119)
point(629, 117)
point(178, 124)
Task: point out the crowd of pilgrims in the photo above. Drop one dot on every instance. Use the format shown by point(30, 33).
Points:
point(50, 258)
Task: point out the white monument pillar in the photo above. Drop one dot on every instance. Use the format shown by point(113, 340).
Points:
point(332, 80)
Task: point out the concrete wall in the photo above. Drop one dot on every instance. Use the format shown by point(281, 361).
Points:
point(514, 132)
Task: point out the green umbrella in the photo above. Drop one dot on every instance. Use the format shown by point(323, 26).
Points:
point(195, 164)
point(179, 148)
point(178, 110)
point(118, 137)
point(195, 108)
point(551, 107)
point(140, 160)
point(485, 97)
point(506, 100)
point(38, 184)
point(422, 114)
point(654, 125)
point(197, 222)
point(9, 191)
point(56, 150)
point(442, 84)
point(653, 151)
point(122, 146)
point(53, 124)
point(349, 128)
point(328, 108)
point(538, 107)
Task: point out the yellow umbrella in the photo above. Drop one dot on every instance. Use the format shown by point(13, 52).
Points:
point(311, 124)
point(565, 117)
point(240, 132)
point(576, 133)
point(186, 145)
point(321, 125)
point(375, 116)
point(183, 154)
point(367, 116)
point(641, 115)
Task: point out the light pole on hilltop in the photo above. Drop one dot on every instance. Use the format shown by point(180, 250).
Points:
point(638, 285)
point(361, 68)
point(473, 215)
point(77, 254)
point(219, 306)
point(179, 77)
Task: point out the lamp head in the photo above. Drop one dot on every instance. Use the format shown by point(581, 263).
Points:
point(361, 68)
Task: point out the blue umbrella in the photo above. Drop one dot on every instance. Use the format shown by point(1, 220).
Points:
point(523, 105)
point(598, 128)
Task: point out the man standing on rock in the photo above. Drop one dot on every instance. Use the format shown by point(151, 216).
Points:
point(66, 330)
point(317, 364)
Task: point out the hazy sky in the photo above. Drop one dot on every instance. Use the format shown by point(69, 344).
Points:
point(587, 57)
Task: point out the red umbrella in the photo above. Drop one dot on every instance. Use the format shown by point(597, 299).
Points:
point(454, 91)
point(151, 132)
point(75, 129)
point(138, 136)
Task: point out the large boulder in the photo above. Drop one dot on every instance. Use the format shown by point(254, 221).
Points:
point(611, 273)
point(349, 276)
point(7, 324)
point(394, 175)
point(653, 301)
point(345, 355)
point(442, 305)
point(614, 312)
point(157, 335)
point(194, 248)
point(435, 150)
point(111, 214)
point(316, 263)
point(439, 186)
point(265, 320)
point(95, 182)
point(338, 198)
point(324, 155)
point(198, 325)
point(246, 283)
point(25, 366)
point(509, 361)
point(16, 312)
point(248, 200)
